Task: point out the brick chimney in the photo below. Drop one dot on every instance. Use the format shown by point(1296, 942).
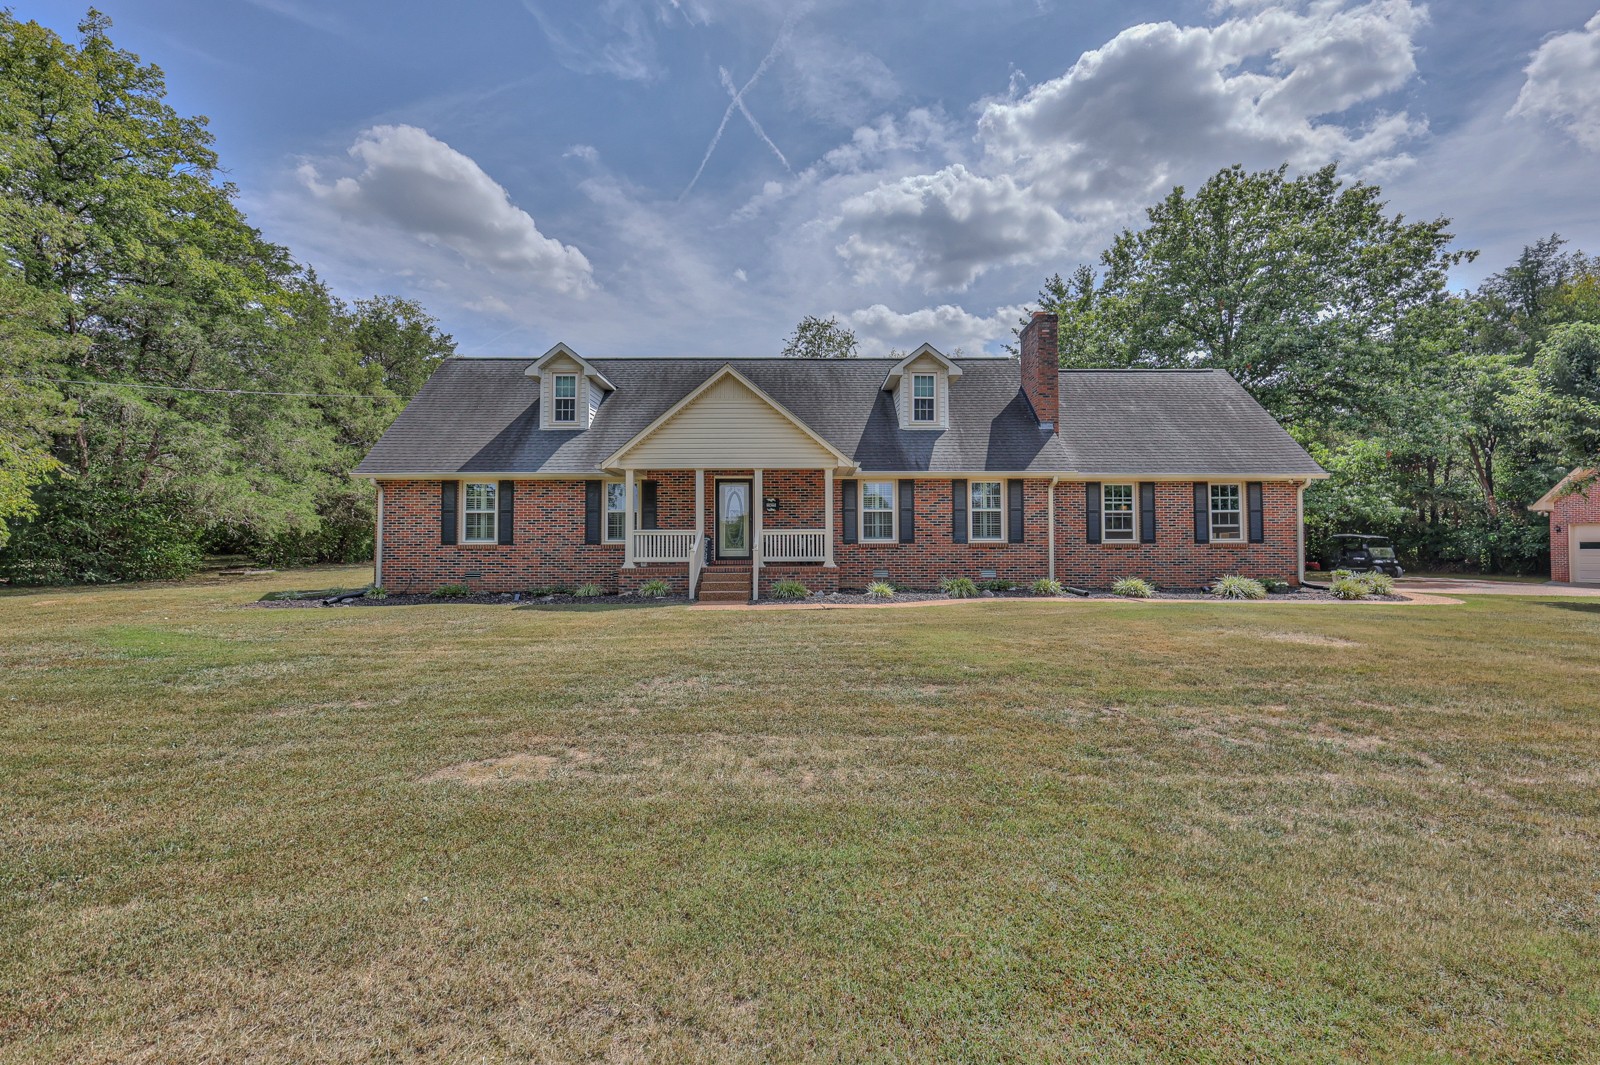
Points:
point(1041, 369)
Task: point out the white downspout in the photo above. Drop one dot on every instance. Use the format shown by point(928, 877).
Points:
point(377, 558)
point(1300, 528)
point(1052, 563)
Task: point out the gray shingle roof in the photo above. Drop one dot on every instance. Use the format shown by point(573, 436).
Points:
point(1172, 423)
point(481, 416)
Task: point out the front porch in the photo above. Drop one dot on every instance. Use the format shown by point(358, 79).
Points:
point(750, 523)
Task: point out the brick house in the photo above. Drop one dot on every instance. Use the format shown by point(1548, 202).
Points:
point(723, 476)
point(1574, 528)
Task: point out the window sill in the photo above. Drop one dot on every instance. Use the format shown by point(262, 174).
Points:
point(1123, 543)
point(1230, 543)
point(479, 543)
point(989, 543)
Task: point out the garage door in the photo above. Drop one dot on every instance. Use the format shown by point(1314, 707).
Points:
point(1584, 553)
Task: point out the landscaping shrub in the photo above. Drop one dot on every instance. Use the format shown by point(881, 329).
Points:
point(999, 585)
point(451, 591)
point(959, 588)
point(1132, 588)
point(880, 590)
point(377, 591)
point(789, 589)
point(655, 588)
point(1046, 586)
point(587, 591)
point(1234, 586)
point(1350, 588)
point(1378, 583)
point(1341, 574)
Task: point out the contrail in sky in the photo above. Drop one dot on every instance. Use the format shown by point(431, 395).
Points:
point(738, 101)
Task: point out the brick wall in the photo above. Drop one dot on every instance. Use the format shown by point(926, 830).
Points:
point(549, 548)
point(1573, 510)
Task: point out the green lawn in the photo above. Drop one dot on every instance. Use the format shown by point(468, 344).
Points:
point(996, 831)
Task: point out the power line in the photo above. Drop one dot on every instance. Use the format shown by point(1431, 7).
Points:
point(187, 388)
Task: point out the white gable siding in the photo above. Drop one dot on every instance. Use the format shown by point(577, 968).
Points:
point(941, 394)
point(728, 425)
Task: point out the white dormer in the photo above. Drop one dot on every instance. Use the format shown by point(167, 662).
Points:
point(920, 383)
point(570, 389)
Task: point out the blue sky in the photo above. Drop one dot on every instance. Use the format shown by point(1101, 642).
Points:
point(528, 169)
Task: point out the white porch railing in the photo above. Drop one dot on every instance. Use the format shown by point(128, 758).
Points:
point(697, 564)
point(793, 545)
point(663, 545)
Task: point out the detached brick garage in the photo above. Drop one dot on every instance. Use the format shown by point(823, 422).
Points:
point(1574, 528)
point(722, 476)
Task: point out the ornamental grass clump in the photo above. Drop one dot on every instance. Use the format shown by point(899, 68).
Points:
point(789, 589)
point(1234, 586)
point(451, 591)
point(960, 588)
point(1350, 588)
point(1378, 583)
point(588, 591)
point(880, 590)
point(1132, 588)
point(1046, 586)
point(655, 588)
point(377, 591)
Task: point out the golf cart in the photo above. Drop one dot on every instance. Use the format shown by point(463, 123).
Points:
point(1361, 553)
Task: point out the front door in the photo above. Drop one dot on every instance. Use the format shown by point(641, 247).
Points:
point(733, 519)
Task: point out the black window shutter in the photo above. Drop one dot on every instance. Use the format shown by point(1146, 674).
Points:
point(958, 512)
point(647, 505)
point(447, 512)
point(505, 525)
point(847, 489)
point(591, 511)
point(1147, 512)
point(1202, 512)
point(1253, 493)
point(1019, 522)
point(908, 511)
point(1091, 512)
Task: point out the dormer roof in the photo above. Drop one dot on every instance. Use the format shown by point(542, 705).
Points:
point(538, 368)
point(891, 380)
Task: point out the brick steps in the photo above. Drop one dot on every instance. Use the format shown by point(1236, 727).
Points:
point(725, 583)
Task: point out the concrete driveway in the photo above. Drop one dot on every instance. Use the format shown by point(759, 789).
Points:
point(1470, 586)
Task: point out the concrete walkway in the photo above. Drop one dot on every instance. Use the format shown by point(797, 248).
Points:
point(1471, 586)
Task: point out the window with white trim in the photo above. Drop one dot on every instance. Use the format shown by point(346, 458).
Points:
point(1116, 506)
point(616, 511)
point(924, 392)
point(479, 512)
point(1225, 512)
point(565, 390)
point(985, 515)
point(877, 510)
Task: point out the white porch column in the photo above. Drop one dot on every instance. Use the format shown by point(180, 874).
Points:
point(699, 507)
point(1299, 529)
point(756, 507)
point(827, 518)
point(627, 519)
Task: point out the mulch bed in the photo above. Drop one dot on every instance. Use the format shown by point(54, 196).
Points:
point(1302, 595)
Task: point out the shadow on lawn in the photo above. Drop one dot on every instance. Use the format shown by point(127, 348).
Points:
point(1592, 607)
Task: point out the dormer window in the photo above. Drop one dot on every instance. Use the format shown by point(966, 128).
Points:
point(919, 385)
point(924, 390)
point(565, 411)
point(571, 389)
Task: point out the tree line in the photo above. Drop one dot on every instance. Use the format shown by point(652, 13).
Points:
point(173, 385)
point(1439, 415)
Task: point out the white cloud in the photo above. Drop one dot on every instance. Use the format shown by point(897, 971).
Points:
point(946, 327)
point(1563, 84)
point(1157, 105)
point(418, 185)
point(944, 229)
